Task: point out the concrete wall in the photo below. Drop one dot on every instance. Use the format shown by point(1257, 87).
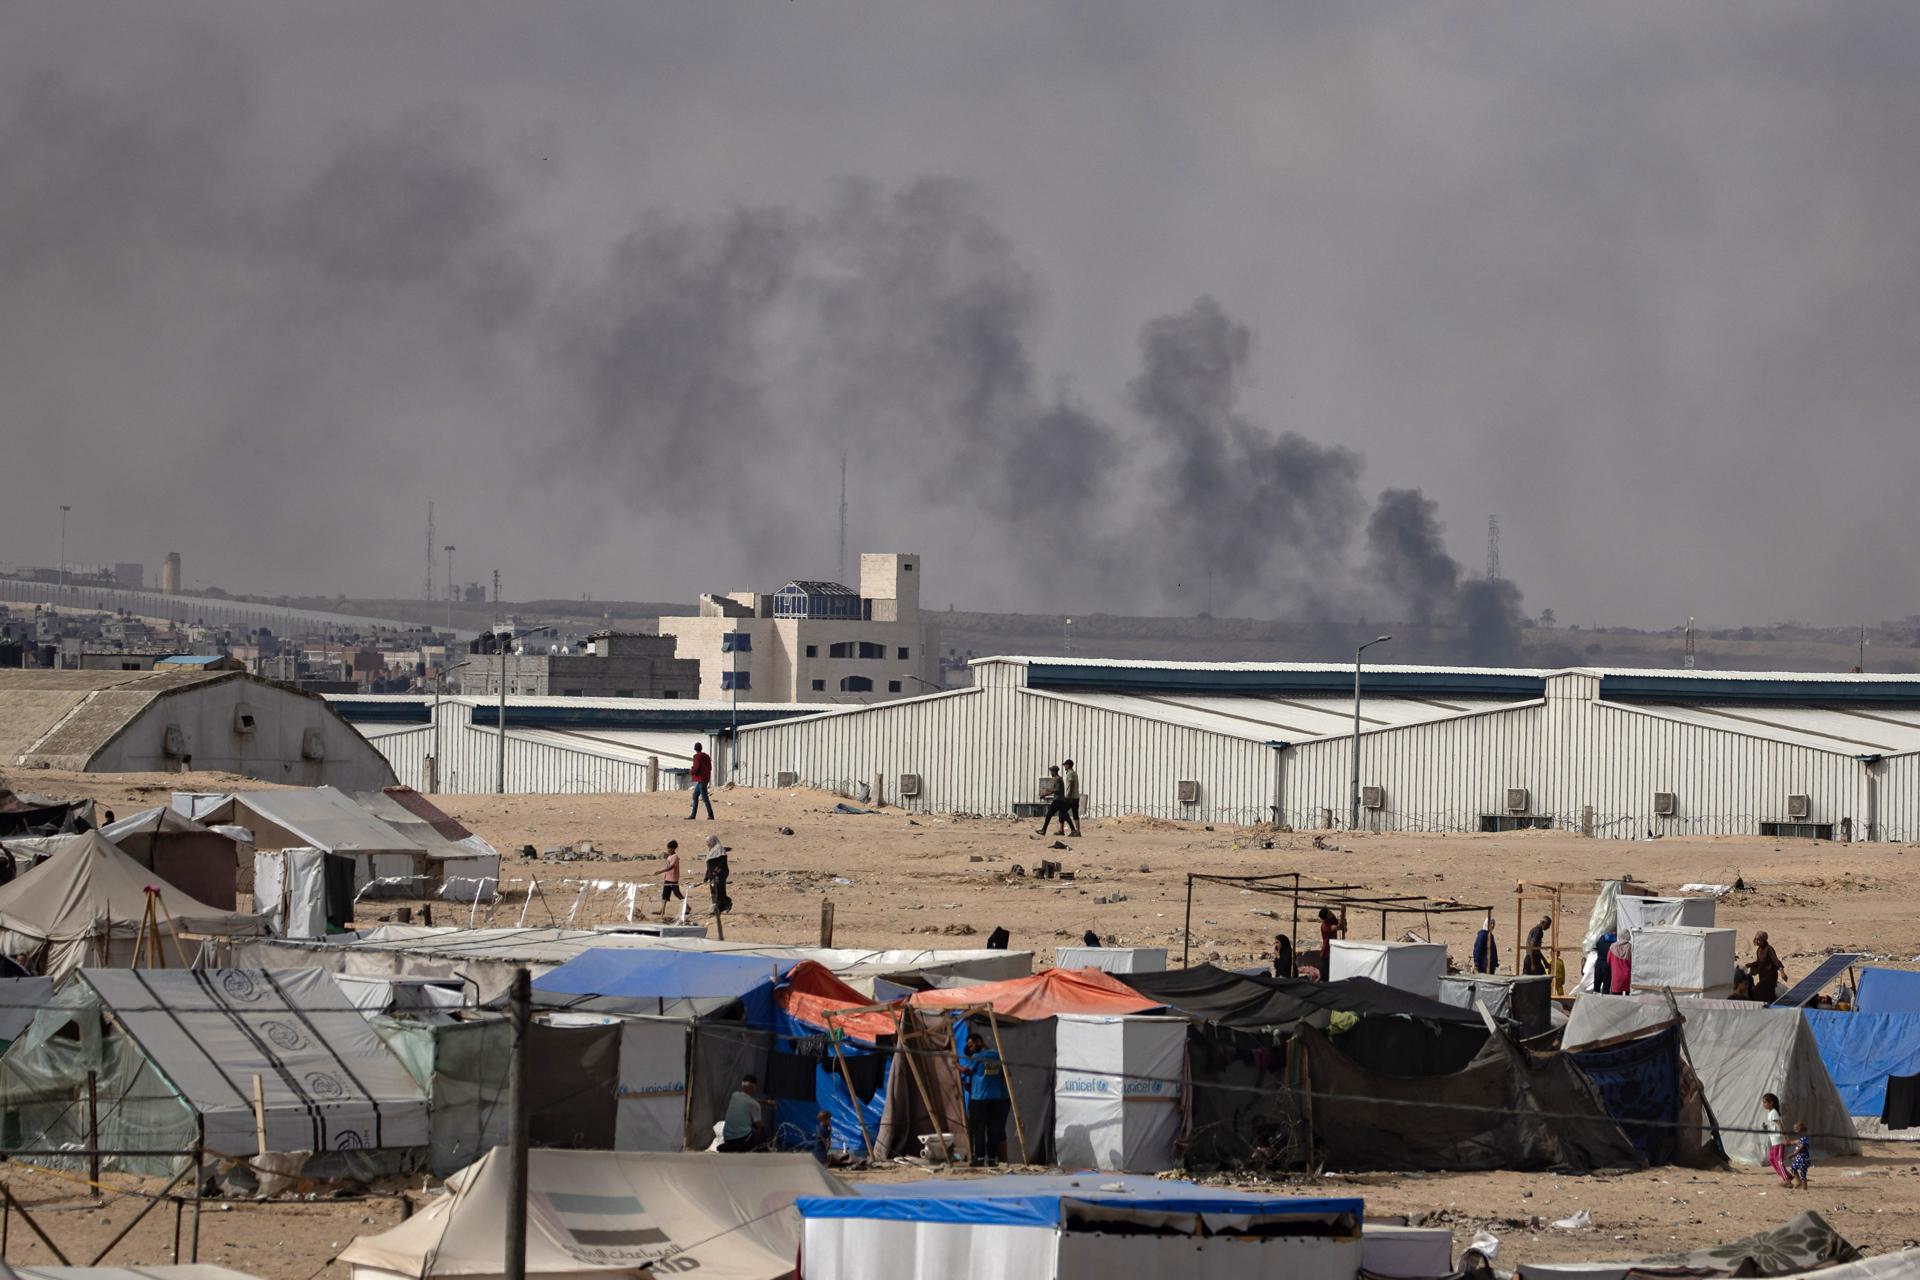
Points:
point(205, 715)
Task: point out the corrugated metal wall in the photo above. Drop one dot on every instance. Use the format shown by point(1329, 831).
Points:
point(469, 759)
point(981, 750)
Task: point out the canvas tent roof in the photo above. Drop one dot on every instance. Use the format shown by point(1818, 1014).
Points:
point(1212, 994)
point(154, 821)
point(670, 983)
point(1739, 1053)
point(1804, 1245)
point(93, 891)
point(1038, 1200)
point(421, 821)
point(327, 1081)
point(811, 992)
point(609, 1211)
point(324, 818)
point(1045, 994)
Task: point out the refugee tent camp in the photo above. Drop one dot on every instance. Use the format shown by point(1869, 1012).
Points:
point(594, 1212)
point(1861, 1050)
point(213, 866)
point(1039, 1228)
point(85, 907)
point(180, 1056)
point(1740, 1051)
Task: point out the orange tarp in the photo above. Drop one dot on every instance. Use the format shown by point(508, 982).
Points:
point(812, 992)
point(1045, 994)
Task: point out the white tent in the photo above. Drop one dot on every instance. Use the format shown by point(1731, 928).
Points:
point(1639, 911)
point(1740, 1051)
point(86, 904)
point(1116, 1094)
point(1684, 959)
point(594, 1212)
point(1112, 959)
point(1406, 966)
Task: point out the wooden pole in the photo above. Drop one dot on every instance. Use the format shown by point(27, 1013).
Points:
point(1020, 1130)
point(199, 1183)
point(1553, 965)
point(519, 1004)
point(1187, 945)
point(179, 1207)
point(826, 922)
point(900, 1046)
point(833, 1038)
point(93, 1131)
point(1519, 936)
point(1293, 939)
point(259, 1116)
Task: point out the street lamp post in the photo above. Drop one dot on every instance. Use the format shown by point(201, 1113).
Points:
point(500, 640)
point(439, 685)
point(1353, 816)
point(450, 588)
point(64, 508)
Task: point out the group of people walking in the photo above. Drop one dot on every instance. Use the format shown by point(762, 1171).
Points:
point(1790, 1166)
point(1063, 799)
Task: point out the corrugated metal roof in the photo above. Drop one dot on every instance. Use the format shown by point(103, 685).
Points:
point(1854, 731)
point(1663, 673)
point(1292, 720)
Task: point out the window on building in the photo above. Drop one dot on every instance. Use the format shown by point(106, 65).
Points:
point(670, 693)
point(902, 655)
point(840, 649)
point(856, 649)
point(893, 686)
point(856, 684)
point(819, 686)
point(813, 651)
point(736, 680)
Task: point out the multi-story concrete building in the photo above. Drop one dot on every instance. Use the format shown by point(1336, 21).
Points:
point(613, 665)
point(817, 641)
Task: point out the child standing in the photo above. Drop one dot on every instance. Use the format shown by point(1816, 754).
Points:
point(1802, 1158)
point(1776, 1138)
point(670, 882)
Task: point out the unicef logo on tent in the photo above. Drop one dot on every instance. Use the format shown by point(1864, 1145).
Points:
point(239, 985)
point(283, 1034)
point(322, 1085)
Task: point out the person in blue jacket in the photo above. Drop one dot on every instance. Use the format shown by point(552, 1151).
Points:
point(985, 1079)
point(1486, 951)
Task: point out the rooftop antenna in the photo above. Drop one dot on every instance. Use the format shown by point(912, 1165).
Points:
point(451, 589)
point(430, 552)
point(496, 599)
point(1688, 660)
point(1493, 548)
point(843, 518)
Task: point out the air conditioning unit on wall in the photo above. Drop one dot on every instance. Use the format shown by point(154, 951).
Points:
point(786, 778)
point(1518, 800)
point(1189, 792)
point(1799, 807)
point(1665, 804)
point(1373, 797)
point(909, 785)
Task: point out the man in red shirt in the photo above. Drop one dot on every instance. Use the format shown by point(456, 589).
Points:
point(702, 774)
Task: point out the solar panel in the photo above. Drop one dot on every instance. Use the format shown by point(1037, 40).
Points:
point(1810, 986)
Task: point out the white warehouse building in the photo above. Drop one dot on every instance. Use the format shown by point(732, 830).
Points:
point(1620, 753)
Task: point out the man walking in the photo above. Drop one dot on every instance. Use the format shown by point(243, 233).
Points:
point(1766, 969)
point(1070, 788)
point(1056, 801)
point(1535, 963)
point(702, 775)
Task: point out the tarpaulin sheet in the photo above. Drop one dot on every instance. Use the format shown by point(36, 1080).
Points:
point(1044, 995)
point(811, 992)
point(721, 1053)
point(682, 983)
point(1889, 991)
point(1243, 1100)
point(796, 1119)
point(1042, 1200)
point(1253, 1000)
point(328, 1081)
point(1117, 1091)
point(614, 1211)
point(1740, 1051)
point(1861, 1050)
point(1806, 1244)
point(1507, 1109)
point(1639, 1082)
point(651, 1107)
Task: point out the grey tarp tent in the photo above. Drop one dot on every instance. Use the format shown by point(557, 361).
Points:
point(1739, 1051)
point(177, 1053)
point(85, 908)
point(599, 1213)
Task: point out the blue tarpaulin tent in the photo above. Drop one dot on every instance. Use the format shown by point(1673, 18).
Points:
point(1035, 1200)
point(802, 1065)
point(1862, 1049)
point(1889, 991)
point(688, 984)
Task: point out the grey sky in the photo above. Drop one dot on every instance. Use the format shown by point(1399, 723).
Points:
point(614, 284)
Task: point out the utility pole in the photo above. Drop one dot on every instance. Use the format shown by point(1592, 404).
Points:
point(451, 589)
point(1493, 548)
point(843, 519)
point(519, 1000)
point(1863, 649)
point(1688, 659)
point(64, 508)
point(429, 596)
point(1353, 816)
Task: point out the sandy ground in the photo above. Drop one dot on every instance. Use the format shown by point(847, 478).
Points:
point(931, 881)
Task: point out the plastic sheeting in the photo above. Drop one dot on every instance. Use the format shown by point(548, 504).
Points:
point(1805, 1245)
point(1112, 959)
point(1687, 960)
point(1739, 1053)
point(1636, 912)
point(1044, 995)
point(1117, 1091)
point(1889, 991)
point(668, 983)
point(1861, 1050)
point(303, 892)
point(1526, 1001)
point(1639, 1082)
point(650, 1111)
